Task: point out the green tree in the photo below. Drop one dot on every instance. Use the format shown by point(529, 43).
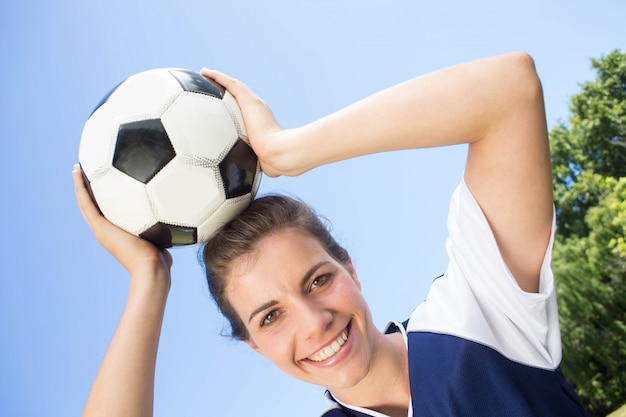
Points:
point(589, 165)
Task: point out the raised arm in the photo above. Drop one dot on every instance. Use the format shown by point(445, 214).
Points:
point(495, 105)
point(124, 385)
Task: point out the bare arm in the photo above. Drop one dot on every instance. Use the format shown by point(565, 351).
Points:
point(124, 385)
point(495, 105)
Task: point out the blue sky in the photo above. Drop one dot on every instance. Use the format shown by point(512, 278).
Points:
point(61, 294)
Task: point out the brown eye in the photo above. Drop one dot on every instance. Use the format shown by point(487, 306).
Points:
point(320, 281)
point(269, 318)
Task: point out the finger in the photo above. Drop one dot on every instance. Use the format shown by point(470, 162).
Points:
point(235, 87)
point(91, 213)
point(80, 189)
point(218, 76)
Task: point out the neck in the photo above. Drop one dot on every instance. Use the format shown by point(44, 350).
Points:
point(386, 388)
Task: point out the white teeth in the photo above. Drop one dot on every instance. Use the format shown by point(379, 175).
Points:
point(331, 349)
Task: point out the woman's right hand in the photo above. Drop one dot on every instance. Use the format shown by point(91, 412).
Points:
point(124, 385)
point(137, 255)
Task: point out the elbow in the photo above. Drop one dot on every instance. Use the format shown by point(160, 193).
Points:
point(524, 79)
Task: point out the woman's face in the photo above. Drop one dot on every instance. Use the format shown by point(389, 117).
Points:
point(304, 310)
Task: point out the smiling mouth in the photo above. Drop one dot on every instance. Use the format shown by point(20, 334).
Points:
point(330, 350)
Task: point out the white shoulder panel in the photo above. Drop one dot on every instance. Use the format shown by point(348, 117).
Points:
point(478, 298)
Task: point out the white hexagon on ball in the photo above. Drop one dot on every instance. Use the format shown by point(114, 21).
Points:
point(192, 116)
point(145, 95)
point(223, 215)
point(98, 141)
point(184, 195)
point(124, 201)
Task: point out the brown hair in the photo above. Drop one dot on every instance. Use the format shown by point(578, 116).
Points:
point(240, 236)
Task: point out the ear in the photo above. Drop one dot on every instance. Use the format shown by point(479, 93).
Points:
point(350, 268)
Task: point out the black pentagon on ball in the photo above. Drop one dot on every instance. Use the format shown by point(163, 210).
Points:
point(166, 235)
point(196, 83)
point(142, 149)
point(238, 170)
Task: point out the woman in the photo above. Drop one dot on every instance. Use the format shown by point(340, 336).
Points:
point(486, 341)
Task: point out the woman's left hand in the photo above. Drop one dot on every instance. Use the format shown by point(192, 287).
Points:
point(266, 136)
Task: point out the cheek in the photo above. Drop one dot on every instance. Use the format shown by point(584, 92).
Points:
point(349, 300)
point(348, 293)
point(280, 352)
point(275, 345)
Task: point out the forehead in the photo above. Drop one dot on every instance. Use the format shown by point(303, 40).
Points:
point(276, 251)
point(279, 257)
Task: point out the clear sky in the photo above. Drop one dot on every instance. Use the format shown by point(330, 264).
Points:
point(61, 294)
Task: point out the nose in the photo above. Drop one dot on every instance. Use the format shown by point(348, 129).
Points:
point(313, 319)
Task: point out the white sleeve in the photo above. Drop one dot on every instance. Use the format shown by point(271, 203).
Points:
point(479, 299)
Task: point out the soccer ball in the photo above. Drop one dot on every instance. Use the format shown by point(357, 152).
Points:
point(165, 157)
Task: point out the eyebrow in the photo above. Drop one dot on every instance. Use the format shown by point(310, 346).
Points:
point(303, 282)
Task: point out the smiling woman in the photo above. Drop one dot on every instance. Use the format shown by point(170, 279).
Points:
point(489, 324)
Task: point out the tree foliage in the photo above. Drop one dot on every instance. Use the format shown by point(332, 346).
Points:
point(589, 175)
